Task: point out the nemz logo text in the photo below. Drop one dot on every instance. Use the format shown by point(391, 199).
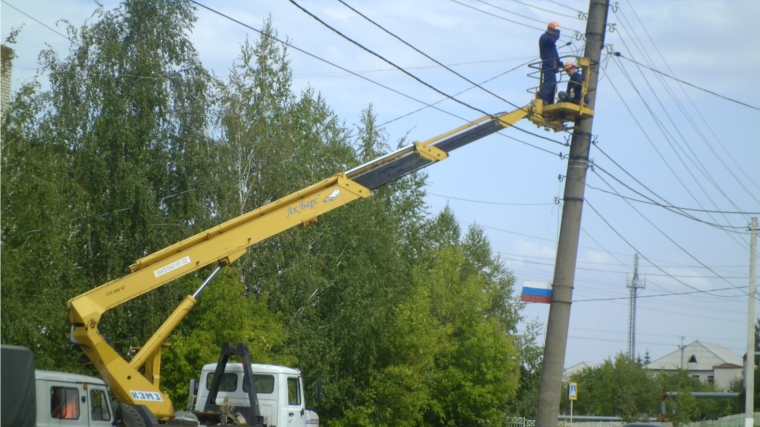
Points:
point(146, 395)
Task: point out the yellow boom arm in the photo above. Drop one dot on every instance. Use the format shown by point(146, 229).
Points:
point(227, 242)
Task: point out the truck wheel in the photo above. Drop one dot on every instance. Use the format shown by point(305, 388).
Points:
point(130, 417)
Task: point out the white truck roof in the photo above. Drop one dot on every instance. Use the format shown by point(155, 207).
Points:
point(255, 367)
point(67, 377)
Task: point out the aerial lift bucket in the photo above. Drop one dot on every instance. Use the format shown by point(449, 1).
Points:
point(560, 116)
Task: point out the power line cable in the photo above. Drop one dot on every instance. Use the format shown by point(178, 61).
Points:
point(584, 287)
point(668, 237)
point(497, 16)
point(639, 252)
point(420, 67)
point(523, 16)
point(650, 274)
point(411, 75)
point(670, 207)
point(415, 77)
point(658, 295)
point(696, 161)
point(675, 210)
point(642, 49)
point(418, 51)
point(363, 77)
point(613, 193)
point(669, 311)
point(667, 207)
point(686, 188)
point(459, 93)
point(424, 83)
point(36, 20)
point(319, 58)
point(620, 341)
point(674, 265)
point(585, 247)
point(668, 137)
point(582, 283)
point(651, 334)
point(703, 120)
point(490, 203)
point(577, 16)
point(434, 60)
point(637, 42)
point(567, 7)
point(649, 139)
point(620, 55)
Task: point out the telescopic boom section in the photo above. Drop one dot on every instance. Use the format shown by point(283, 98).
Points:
point(228, 241)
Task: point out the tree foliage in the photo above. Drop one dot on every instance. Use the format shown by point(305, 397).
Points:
point(625, 388)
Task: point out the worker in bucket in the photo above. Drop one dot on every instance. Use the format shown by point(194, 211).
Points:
point(574, 85)
point(550, 63)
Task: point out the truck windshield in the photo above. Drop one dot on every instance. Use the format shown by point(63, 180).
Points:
point(229, 381)
point(264, 384)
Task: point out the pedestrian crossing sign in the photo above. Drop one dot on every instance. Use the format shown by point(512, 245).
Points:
point(572, 391)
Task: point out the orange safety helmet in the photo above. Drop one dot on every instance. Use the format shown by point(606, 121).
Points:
point(553, 25)
point(568, 65)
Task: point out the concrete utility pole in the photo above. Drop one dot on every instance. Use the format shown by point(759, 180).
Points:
point(567, 250)
point(749, 395)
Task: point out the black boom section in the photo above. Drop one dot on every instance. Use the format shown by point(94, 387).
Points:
point(413, 161)
point(461, 139)
point(392, 171)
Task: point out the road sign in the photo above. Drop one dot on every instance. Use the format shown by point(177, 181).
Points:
point(572, 391)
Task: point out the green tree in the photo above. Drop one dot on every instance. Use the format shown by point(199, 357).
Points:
point(684, 409)
point(621, 387)
point(525, 402)
point(36, 249)
point(121, 135)
point(225, 313)
point(477, 365)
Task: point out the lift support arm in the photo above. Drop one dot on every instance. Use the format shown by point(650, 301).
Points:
point(227, 242)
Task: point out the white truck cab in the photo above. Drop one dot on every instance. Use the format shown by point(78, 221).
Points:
point(65, 399)
point(31, 397)
point(279, 391)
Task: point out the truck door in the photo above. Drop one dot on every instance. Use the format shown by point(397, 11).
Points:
point(100, 408)
point(296, 412)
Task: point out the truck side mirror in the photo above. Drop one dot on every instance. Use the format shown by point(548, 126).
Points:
point(318, 393)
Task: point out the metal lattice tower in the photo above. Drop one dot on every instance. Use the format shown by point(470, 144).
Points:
point(634, 286)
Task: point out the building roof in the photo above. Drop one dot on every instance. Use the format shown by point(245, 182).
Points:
point(697, 356)
point(727, 366)
point(576, 368)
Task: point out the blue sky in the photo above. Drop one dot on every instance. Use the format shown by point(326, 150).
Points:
point(693, 149)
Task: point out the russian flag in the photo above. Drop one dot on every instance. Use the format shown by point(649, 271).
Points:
point(536, 292)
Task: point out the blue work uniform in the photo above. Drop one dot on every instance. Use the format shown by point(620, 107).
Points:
point(550, 65)
point(574, 89)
